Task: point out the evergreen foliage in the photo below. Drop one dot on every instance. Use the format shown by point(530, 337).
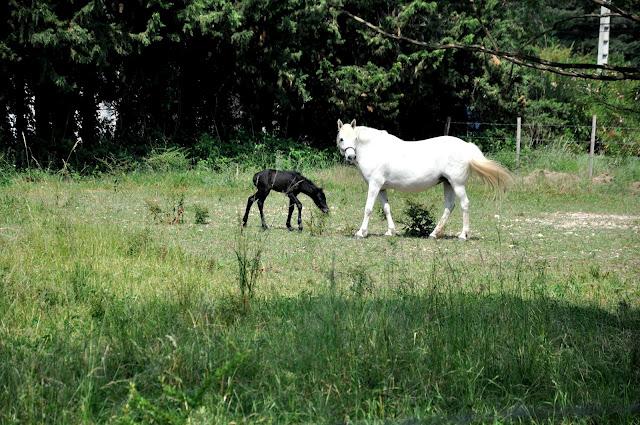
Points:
point(127, 77)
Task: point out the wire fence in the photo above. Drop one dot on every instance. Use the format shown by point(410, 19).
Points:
point(603, 138)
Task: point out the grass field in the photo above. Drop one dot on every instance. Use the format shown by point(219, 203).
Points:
point(108, 313)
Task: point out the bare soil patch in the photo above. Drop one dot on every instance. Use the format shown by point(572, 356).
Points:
point(603, 178)
point(550, 177)
point(583, 220)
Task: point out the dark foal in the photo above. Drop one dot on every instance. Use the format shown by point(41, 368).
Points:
point(291, 184)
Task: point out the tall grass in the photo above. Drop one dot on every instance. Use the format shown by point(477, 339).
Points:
point(114, 318)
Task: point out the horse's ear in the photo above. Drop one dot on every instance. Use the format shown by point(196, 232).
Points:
point(353, 123)
point(339, 124)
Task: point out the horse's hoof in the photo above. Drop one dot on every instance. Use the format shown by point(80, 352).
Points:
point(463, 236)
point(300, 229)
point(265, 227)
point(390, 232)
point(360, 234)
point(434, 235)
point(289, 228)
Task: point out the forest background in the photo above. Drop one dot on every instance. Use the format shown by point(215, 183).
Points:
point(87, 80)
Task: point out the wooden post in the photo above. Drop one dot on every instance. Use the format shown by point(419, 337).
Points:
point(446, 126)
point(518, 135)
point(593, 145)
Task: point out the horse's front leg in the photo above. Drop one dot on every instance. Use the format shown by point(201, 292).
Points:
point(295, 199)
point(391, 227)
point(291, 206)
point(374, 188)
point(261, 197)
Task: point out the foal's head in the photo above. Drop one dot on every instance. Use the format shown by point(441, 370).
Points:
point(317, 194)
point(320, 200)
point(346, 140)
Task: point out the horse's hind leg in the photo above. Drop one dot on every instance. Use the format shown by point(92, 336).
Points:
point(461, 193)
point(382, 196)
point(449, 205)
point(250, 202)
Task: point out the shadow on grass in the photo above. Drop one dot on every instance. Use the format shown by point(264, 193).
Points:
point(334, 356)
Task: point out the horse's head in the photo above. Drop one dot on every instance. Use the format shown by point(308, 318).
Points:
point(321, 200)
point(346, 140)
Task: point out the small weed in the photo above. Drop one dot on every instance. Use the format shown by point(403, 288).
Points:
point(178, 211)
point(155, 210)
point(248, 251)
point(361, 282)
point(201, 214)
point(317, 224)
point(171, 215)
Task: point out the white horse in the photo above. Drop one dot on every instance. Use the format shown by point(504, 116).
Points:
point(387, 162)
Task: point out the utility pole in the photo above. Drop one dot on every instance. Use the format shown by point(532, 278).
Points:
point(603, 38)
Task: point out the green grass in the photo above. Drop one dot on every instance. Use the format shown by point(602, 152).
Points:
point(107, 315)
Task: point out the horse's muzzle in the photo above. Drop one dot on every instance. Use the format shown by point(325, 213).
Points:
point(350, 155)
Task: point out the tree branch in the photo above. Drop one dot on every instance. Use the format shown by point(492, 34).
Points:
point(605, 72)
point(621, 12)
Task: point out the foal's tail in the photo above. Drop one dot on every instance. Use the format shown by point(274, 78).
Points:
point(491, 172)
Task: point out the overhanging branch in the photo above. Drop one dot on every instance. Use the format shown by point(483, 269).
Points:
point(619, 11)
point(578, 70)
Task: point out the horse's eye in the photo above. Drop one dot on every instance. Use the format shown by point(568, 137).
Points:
point(341, 139)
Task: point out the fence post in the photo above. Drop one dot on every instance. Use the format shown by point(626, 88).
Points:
point(518, 134)
point(592, 147)
point(446, 126)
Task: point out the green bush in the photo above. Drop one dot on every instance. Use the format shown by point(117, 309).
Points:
point(170, 159)
point(417, 220)
point(201, 214)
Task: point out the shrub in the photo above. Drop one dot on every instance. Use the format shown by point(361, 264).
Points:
point(417, 219)
point(170, 159)
point(201, 214)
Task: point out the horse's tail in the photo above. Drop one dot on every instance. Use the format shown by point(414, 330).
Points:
point(491, 172)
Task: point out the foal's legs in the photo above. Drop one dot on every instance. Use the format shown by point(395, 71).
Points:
point(382, 196)
point(461, 193)
point(291, 206)
point(250, 202)
point(261, 197)
point(449, 205)
point(293, 200)
point(374, 188)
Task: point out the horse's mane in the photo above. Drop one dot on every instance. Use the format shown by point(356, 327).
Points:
point(387, 136)
point(303, 182)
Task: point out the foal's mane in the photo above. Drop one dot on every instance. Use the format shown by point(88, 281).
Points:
point(303, 183)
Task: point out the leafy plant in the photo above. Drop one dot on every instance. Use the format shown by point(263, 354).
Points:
point(173, 214)
point(417, 219)
point(317, 223)
point(170, 159)
point(201, 214)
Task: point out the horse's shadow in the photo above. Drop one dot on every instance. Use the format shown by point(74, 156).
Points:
point(401, 236)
